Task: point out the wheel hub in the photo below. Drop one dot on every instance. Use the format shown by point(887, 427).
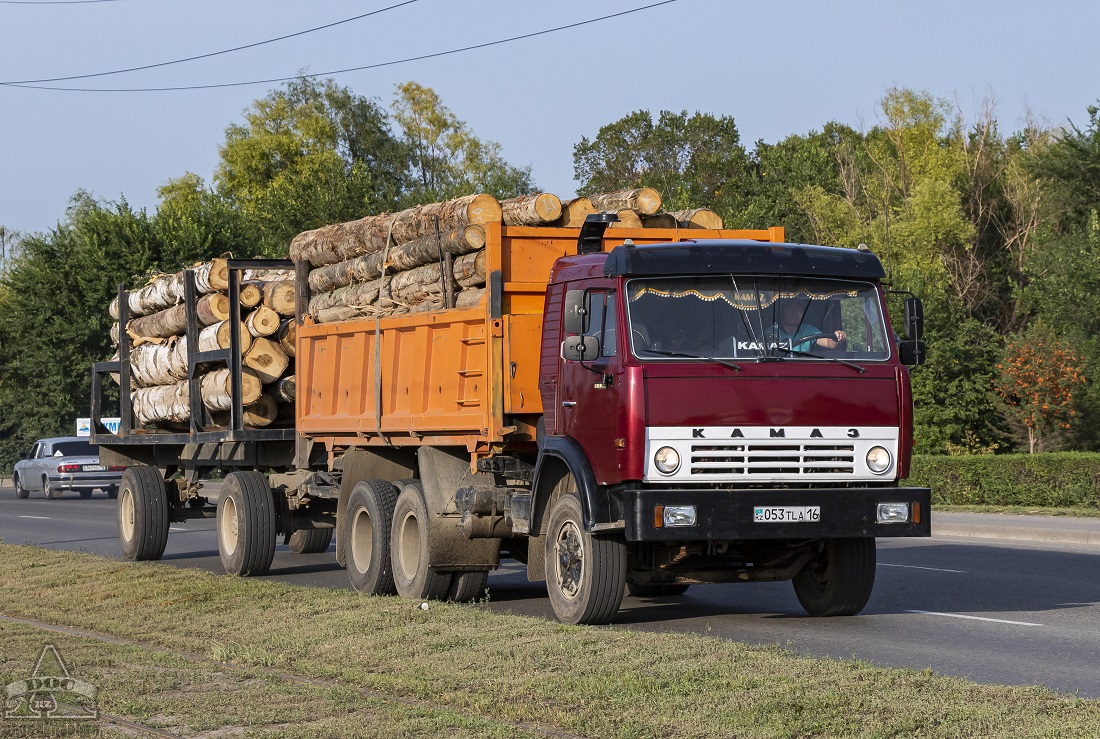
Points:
point(570, 556)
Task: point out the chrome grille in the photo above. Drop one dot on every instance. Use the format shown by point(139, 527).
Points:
point(781, 458)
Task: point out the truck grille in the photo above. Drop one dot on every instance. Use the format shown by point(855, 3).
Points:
point(763, 458)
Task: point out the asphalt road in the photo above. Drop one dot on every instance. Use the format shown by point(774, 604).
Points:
point(987, 610)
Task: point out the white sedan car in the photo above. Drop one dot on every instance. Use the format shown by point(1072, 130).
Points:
point(66, 463)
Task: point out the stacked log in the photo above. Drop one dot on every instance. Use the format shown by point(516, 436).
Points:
point(159, 388)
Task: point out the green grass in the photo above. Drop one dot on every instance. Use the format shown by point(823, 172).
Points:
point(459, 670)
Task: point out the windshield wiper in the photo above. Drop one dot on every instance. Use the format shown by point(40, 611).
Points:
point(716, 360)
point(838, 360)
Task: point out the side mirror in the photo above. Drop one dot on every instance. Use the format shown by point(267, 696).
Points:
point(914, 319)
point(911, 352)
point(576, 312)
point(580, 348)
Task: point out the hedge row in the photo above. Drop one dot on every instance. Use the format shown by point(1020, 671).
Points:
point(1055, 480)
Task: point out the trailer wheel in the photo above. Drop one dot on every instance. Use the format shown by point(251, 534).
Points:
point(585, 574)
point(839, 580)
point(246, 524)
point(310, 541)
point(656, 590)
point(367, 522)
point(20, 491)
point(142, 514)
point(467, 586)
point(409, 548)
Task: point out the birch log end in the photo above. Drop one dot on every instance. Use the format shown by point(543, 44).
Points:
point(279, 296)
point(262, 322)
point(645, 200)
point(531, 210)
point(699, 218)
point(267, 359)
point(574, 212)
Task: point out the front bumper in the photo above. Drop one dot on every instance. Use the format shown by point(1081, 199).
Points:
point(86, 481)
point(727, 515)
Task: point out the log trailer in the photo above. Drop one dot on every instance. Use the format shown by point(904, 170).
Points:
point(627, 409)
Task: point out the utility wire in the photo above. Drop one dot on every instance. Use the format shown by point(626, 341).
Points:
point(54, 2)
point(205, 56)
point(350, 69)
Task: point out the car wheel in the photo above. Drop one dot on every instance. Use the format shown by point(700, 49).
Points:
point(51, 491)
point(86, 494)
point(20, 491)
point(112, 492)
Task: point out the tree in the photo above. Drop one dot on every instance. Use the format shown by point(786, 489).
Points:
point(310, 153)
point(1038, 378)
point(447, 159)
point(195, 224)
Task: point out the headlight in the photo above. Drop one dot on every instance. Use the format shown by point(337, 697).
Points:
point(667, 460)
point(878, 460)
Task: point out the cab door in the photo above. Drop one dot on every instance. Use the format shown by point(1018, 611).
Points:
point(589, 390)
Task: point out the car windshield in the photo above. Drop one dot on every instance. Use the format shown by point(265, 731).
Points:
point(756, 317)
point(74, 449)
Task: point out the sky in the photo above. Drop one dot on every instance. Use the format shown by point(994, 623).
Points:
point(777, 67)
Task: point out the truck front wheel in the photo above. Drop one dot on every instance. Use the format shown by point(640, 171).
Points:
point(585, 574)
point(409, 548)
point(246, 524)
point(142, 514)
point(368, 517)
point(839, 580)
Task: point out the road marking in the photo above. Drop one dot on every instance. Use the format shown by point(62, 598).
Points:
point(916, 567)
point(40, 518)
point(176, 528)
point(975, 618)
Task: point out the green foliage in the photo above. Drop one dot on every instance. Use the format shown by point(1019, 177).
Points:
point(1060, 479)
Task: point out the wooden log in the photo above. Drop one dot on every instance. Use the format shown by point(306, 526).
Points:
point(660, 220)
point(216, 337)
point(627, 219)
point(262, 322)
point(285, 388)
point(212, 276)
point(258, 414)
point(698, 218)
point(163, 291)
point(287, 336)
point(404, 257)
point(251, 293)
point(162, 324)
point(574, 212)
point(159, 364)
point(267, 275)
point(343, 241)
point(531, 210)
point(279, 296)
point(211, 308)
point(171, 403)
point(217, 389)
point(267, 359)
point(644, 200)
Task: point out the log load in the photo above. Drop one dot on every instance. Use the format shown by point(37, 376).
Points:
point(698, 218)
point(278, 296)
point(399, 258)
point(159, 364)
point(171, 403)
point(251, 293)
point(286, 388)
point(343, 241)
point(262, 322)
point(531, 210)
point(468, 298)
point(287, 335)
point(627, 219)
point(573, 212)
point(164, 291)
point(262, 412)
point(660, 220)
point(267, 359)
point(216, 337)
point(644, 200)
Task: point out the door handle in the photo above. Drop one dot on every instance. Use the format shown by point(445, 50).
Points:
point(568, 403)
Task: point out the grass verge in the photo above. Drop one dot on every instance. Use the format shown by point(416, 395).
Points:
point(473, 672)
point(1020, 510)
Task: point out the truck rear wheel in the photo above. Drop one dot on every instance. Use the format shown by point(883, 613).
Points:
point(310, 541)
point(409, 548)
point(142, 514)
point(369, 516)
point(246, 524)
point(585, 574)
point(467, 586)
point(838, 582)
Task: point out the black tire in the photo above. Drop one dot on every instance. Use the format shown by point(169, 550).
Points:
point(142, 514)
point(468, 586)
point(246, 524)
point(310, 541)
point(585, 574)
point(51, 492)
point(368, 519)
point(112, 492)
point(20, 491)
point(85, 494)
point(838, 582)
point(409, 548)
point(656, 590)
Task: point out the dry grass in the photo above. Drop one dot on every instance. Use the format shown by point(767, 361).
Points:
point(1019, 510)
point(472, 670)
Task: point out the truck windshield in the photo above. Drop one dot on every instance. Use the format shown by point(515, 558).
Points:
point(756, 317)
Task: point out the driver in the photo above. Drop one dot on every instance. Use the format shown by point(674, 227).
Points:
point(798, 334)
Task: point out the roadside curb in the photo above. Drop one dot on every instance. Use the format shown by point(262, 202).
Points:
point(1019, 533)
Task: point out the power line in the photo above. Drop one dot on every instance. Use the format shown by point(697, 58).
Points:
point(54, 2)
point(205, 56)
point(351, 69)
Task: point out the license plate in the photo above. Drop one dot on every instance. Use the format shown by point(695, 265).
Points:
point(95, 468)
point(787, 514)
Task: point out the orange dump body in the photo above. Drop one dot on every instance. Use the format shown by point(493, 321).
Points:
point(458, 377)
